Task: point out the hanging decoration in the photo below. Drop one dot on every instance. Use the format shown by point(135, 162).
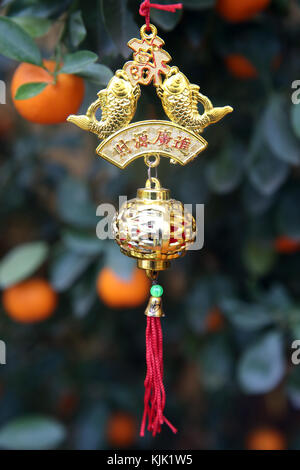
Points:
point(151, 228)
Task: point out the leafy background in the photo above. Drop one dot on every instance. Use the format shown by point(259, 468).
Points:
point(66, 377)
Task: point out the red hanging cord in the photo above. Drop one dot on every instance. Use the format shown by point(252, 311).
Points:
point(155, 396)
point(146, 5)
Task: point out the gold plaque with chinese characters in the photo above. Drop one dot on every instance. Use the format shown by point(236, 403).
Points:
point(178, 139)
point(148, 138)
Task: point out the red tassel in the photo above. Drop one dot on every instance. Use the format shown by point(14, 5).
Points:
point(155, 396)
point(146, 5)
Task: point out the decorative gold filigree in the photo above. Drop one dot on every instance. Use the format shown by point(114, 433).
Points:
point(154, 229)
point(179, 99)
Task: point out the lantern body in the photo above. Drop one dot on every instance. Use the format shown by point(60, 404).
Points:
point(153, 228)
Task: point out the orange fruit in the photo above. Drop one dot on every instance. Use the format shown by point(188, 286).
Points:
point(265, 439)
point(240, 10)
point(30, 301)
point(286, 245)
point(214, 320)
point(240, 67)
point(121, 430)
point(55, 102)
point(116, 292)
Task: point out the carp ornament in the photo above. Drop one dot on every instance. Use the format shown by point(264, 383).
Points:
point(151, 228)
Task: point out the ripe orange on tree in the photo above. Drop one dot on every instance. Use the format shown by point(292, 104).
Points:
point(30, 301)
point(240, 67)
point(121, 430)
point(286, 245)
point(117, 292)
point(240, 10)
point(214, 320)
point(61, 97)
point(265, 439)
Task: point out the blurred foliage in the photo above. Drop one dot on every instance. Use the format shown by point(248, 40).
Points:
point(66, 377)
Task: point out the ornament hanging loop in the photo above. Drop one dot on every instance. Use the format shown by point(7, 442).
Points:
point(151, 28)
point(152, 161)
point(153, 181)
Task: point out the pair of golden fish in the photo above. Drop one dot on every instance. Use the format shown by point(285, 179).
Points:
point(179, 98)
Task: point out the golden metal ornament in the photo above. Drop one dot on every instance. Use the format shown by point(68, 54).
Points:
point(118, 104)
point(180, 101)
point(178, 139)
point(148, 138)
point(154, 308)
point(149, 59)
point(154, 229)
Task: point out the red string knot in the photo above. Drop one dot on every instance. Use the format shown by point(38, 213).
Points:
point(146, 6)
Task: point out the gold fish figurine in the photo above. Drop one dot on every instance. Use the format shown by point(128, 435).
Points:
point(180, 101)
point(118, 104)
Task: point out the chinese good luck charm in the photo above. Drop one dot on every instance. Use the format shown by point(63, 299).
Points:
point(151, 228)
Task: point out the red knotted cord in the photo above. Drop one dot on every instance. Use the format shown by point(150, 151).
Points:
point(155, 396)
point(146, 5)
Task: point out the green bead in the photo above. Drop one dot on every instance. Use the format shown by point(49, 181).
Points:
point(156, 290)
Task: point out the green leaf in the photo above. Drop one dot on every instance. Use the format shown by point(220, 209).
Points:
point(66, 267)
point(259, 257)
point(119, 24)
point(216, 364)
point(278, 132)
point(262, 365)
point(224, 173)
point(206, 294)
point(254, 201)
point(198, 4)
point(21, 262)
point(295, 119)
point(16, 44)
point(32, 433)
point(165, 19)
point(74, 204)
point(35, 27)
point(266, 172)
point(78, 61)
point(246, 316)
point(120, 264)
point(28, 90)
point(39, 8)
point(77, 30)
point(83, 243)
point(83, 295)
point(97, 73)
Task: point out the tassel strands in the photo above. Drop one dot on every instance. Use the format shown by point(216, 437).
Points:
point(155, 395)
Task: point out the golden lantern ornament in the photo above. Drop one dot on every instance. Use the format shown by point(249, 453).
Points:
point(151, 228)
point(154, 229)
